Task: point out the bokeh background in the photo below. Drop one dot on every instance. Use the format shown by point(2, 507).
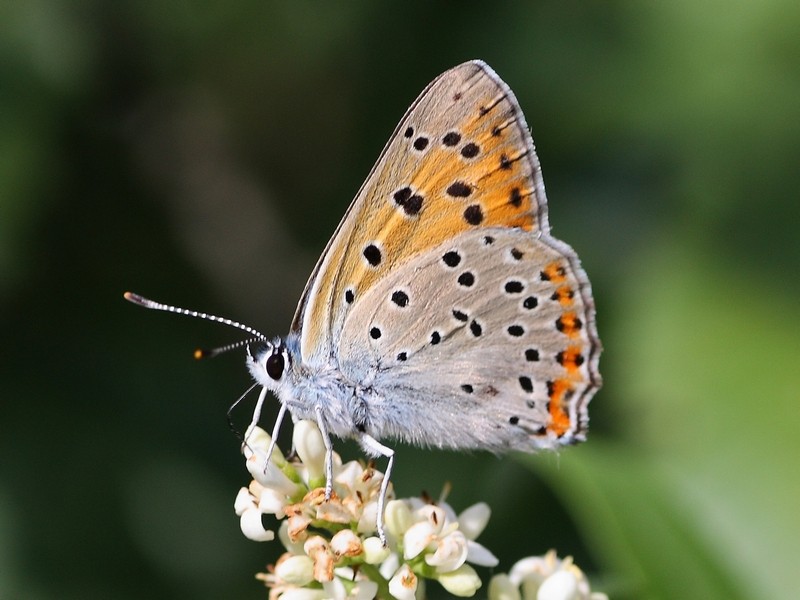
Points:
point(202, 153)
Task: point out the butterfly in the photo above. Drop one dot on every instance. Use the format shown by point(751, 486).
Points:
point(442, 312)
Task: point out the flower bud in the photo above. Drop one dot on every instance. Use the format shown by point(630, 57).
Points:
point(374, 551)
point(561, 585)
point(462, 582)
point(311, 449)
point(297, 570)
point(398, 518)
point(501, 588)
point(346, 543)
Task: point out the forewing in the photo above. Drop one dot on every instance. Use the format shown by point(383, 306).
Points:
point(461, 159)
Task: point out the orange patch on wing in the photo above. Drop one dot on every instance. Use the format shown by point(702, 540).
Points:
point(503, 213)
point(559, 418)
point(571, 359)
point(553, 273)
point(564, 295)
point(569, 324)
point(527, 225)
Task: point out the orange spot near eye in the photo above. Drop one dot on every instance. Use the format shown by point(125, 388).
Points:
point(553, 273)
point(559, 419)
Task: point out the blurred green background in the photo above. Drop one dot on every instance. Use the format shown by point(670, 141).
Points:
point(203, 152)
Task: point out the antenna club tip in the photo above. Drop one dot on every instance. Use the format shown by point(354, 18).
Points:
point(135, 298)
point(200, 354)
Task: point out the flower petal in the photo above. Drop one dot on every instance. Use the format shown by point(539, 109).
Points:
point(334, 589)
point(364, 590)
point(293, 546)
point(272, 503)
point(450, 553)
point(462, 582)
point(403, 585)
point(435, 516)
point(398, 518)
point(252, 528)
point(561, 585)
point(533, 568)
point(269, 475)
point(474, 519)
point(346, 543)
point(298, 527)
point(310, 448)
point(480, 555)
point(417, 539)
point(243, 501)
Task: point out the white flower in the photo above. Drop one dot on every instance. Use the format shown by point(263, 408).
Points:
point(437, 534)
point(450, 553)
point(333, 552)
point(268, 474)
point(250, 517)
point(543, 578)
point(403, 586)
point(424, 534)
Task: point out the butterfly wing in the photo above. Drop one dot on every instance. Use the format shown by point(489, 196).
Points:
point(442, 295)
point(486, 341)
point(460, 159)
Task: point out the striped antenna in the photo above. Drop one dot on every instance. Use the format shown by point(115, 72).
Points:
point(201, 353)
point(145, 302)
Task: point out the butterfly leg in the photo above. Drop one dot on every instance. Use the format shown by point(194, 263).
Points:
point(256, 414)
point(326, 439)
point(275, 430)
point(373, 446)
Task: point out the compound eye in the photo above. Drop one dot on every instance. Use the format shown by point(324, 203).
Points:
point(275, 365)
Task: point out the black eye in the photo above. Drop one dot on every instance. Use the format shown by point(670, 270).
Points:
point(275, 364)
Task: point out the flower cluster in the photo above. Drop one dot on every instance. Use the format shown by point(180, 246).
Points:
point(333, 551)
point(543, 578)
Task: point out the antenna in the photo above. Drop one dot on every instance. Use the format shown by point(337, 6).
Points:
point(147, 303)
point(202, 353)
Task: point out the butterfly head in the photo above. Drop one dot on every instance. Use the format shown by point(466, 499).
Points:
point(270, 363)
